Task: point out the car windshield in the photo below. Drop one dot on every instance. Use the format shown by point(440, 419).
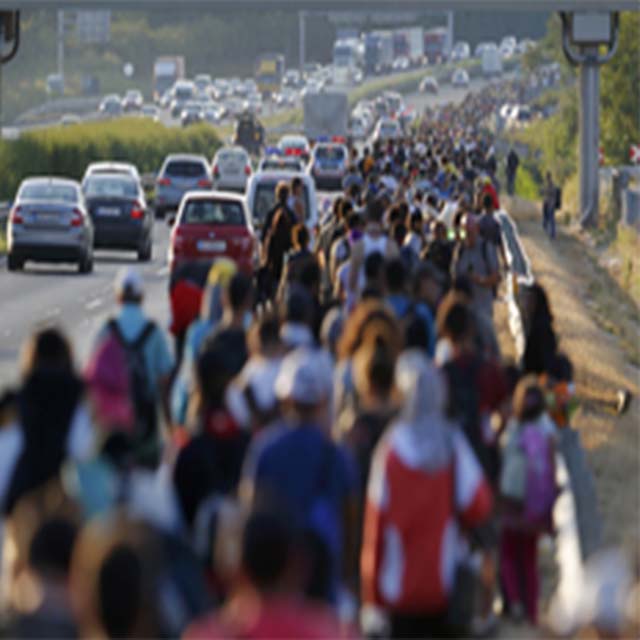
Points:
point(330, 153)
point(213, 212)
point(185, 169)
point(388, 129)
point(110, 187)
point(280, 164)
point(265, 200)
point(49, 192)
point(184, 93)
point(235, 157)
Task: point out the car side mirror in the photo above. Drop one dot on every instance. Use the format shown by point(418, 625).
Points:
point(171, 220)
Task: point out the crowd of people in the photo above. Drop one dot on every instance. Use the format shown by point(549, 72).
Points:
point(334, 447)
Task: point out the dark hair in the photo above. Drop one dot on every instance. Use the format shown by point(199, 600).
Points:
point(120, 591)
point(296, 182)
point(373, 265)
point(240, 290)
point(561, 368)
point(399, 232)
point(282, 192)
point(395, 215)
point(354, 221)
point(51, 548)
point(454, 318)
point(268, 543)
point(375, 210)
point(47, 349)
point(376, 362)
point(487, 201)
point(300, 235)
point(528, 399)
point(395, 275)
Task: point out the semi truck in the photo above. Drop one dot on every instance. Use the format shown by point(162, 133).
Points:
point(326, 115)
point(409, 43)
point(167, 70)
point(435, 45)
point(348, 59)
point(269, 72)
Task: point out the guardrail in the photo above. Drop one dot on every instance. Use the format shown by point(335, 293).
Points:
point(576, 518)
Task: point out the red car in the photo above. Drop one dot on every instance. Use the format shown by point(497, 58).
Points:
point(211, 225)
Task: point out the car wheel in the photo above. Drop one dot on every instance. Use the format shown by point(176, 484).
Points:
point(86, 264)
point(14, 263)
point(145, 252)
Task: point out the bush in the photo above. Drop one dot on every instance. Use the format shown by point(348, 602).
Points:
point(66, 151)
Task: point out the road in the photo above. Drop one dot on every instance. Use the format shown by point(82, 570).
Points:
point(80, 304)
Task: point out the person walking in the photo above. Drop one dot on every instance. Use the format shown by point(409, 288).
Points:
point(513, 162)
point(549, 205)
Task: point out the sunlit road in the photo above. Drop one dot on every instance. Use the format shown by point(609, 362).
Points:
point(80, 303)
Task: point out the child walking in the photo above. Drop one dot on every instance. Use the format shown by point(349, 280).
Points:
point(528, 490)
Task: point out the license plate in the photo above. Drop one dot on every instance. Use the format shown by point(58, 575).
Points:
point(108, 211)
point(47, 217)
point(211, 246)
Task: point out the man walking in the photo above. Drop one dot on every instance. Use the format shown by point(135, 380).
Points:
point(549, 205)
point(513, 162)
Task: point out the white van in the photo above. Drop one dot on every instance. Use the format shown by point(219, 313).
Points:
point(491, 61)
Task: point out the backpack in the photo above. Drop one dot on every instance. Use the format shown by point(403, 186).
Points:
point(540, 485)
point(140, 388)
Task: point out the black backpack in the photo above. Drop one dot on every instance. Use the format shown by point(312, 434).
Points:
point(142, 397)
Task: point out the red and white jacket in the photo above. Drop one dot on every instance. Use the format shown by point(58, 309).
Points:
point(412, 540)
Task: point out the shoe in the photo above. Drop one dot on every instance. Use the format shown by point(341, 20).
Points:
point(484, 627)
point(624, 400)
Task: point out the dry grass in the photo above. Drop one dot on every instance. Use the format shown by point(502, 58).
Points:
point(598, 326)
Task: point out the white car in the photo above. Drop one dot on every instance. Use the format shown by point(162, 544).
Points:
point(387, 129)
point(202, 82)
point(357, 128)
point(125, 168)
point(231, 168)
point(461, 51)
point(460, 78)
point(261, 195)
point(519, 117)
point(150, 111)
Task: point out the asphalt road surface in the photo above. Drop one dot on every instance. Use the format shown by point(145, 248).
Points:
point(80, 304)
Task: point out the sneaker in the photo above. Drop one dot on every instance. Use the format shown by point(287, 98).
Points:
point(482, 627)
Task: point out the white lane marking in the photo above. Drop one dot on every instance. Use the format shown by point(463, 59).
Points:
point(93, 304)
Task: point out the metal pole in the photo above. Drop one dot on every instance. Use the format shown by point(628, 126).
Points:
point(449, 44)
point(302, 42)
point(61, 44)
point(589, 136)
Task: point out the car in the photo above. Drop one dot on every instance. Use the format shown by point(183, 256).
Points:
point(357, 129)
point(387, 129)
point(192, 113)
point(292, 79)
point(123, 168)
point(401, 64)
point(429, 85)
point(261, 195)
point(49, 223)
point(210, 225)
point(202, 82)
point(183, 91)
point(274, 162)
point(179, 174)
point(482, 47)
point(253, 103)
point(395, 102)
point(121, 220)
point(132, 101)
point(460, 78)
point(213, 114)
point(69, 119)
point(328, 165)
point(460, 51)
point(294, 145)
point(231, 168)
point(519, 117)
point(111, 106)
point(150, 111)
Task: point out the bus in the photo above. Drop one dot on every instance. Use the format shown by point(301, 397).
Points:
point(269, 73)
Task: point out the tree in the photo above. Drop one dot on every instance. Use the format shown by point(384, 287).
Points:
point(620, 93)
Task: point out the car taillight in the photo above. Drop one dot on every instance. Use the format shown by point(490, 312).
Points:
point(16, 216)
point(247, 170)
point(216, 171)
point(164, 182)
point(137, 212)
point(205, 183)
point(77, 219)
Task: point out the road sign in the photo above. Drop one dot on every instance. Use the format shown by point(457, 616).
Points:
point(634, 153)
point(93, 27)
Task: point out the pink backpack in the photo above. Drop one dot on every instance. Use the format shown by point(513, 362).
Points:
point(108, 382)
point(541, 489)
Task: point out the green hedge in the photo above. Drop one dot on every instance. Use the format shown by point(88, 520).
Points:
point(66, 151)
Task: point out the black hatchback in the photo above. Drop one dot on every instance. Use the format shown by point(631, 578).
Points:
point(121, 219)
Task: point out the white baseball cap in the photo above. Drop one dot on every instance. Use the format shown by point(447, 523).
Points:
point(305, 377)
point(128, 280)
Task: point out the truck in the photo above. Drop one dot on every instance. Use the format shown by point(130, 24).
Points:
point(491, 61)
point(167, 70)
point(408, 43)
point(348, 59)
point(435, 45)
point(269, 73)
point(378, 52)
point(326, 115)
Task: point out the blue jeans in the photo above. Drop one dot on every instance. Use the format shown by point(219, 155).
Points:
point(549, 219)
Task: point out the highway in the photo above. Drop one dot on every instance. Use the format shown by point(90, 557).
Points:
point(80, 304)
